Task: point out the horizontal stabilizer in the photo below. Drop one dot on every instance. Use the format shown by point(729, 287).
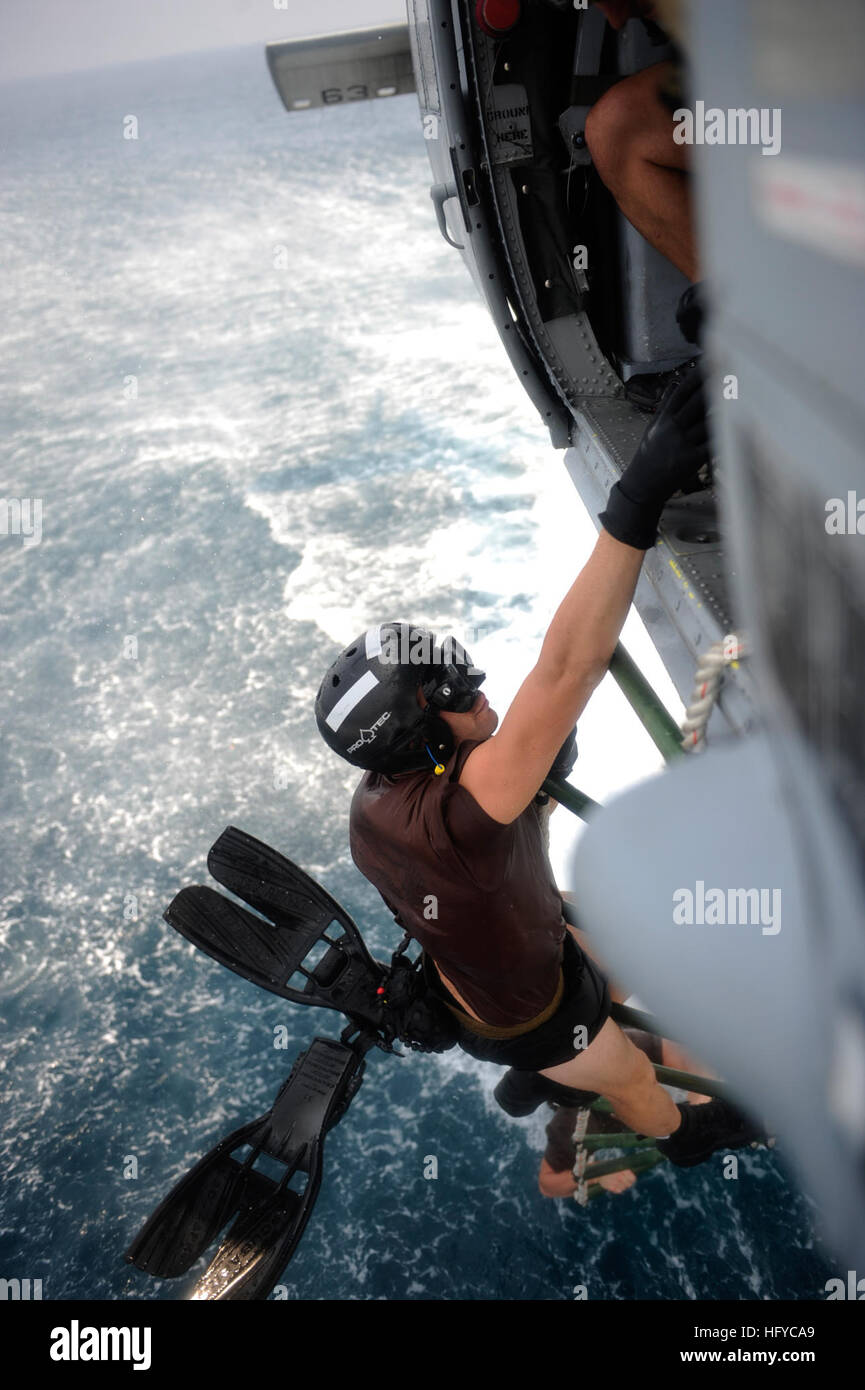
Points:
point(333, 69)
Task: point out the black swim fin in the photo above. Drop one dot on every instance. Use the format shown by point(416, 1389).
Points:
point(280, 954)
point(270, 1215)
point(304, 947)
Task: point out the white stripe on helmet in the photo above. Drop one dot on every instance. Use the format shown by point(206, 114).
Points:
point(353, 696)
point(373, 641)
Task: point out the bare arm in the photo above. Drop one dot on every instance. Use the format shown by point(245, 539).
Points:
point(504, 773)
point(553, 1184)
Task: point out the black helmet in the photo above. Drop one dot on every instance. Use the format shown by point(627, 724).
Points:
point(367, 708)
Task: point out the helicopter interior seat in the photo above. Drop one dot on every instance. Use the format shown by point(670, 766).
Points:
point(645, 338)
point(649, 340)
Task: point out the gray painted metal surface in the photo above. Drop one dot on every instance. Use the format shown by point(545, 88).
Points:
point(766, 1008)
point(455, 156)
point(567, 345)
point(683, 594)
point(783, 1016)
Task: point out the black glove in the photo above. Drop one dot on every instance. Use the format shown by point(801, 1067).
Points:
point(674, 448)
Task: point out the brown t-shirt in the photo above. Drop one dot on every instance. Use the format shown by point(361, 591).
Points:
point(478, 896)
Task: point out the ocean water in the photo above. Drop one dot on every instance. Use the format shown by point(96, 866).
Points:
point(260, 407)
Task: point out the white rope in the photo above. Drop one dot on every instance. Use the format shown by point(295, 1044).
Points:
point(581, 1195)
point(707, 681)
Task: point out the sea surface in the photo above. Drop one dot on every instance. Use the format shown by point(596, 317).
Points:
point(260, 407)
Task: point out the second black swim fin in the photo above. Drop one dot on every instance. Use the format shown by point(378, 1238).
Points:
point(269, 1215)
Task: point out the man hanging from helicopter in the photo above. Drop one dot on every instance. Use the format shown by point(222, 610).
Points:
point(443, 822)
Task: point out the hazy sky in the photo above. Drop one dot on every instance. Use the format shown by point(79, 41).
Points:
point(44, 36)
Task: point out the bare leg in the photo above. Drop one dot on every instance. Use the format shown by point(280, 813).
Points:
point(619, 1071)
point(630, 135)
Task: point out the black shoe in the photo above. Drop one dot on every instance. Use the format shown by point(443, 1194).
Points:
point(705, 1129)
point(520, 1093)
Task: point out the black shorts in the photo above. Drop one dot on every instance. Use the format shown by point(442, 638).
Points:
point(585, 1000)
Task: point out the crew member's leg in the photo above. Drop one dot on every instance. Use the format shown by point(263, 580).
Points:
point(630, 135)
point(613, 1066)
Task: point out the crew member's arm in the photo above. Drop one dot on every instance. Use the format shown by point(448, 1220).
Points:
point(504, 773)
point(553, 1184)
